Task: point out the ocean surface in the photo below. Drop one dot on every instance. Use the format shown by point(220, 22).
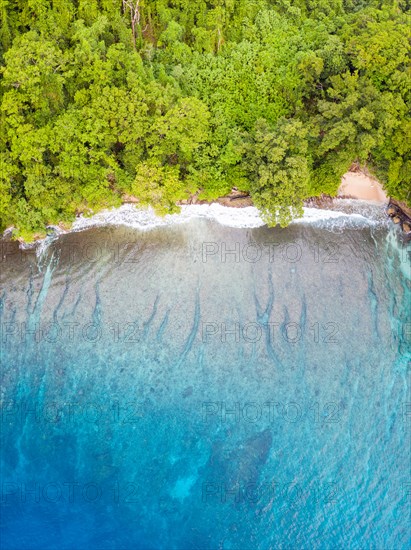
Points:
point(204, 382)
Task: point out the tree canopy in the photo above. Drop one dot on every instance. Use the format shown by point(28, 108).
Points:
point(163, 98)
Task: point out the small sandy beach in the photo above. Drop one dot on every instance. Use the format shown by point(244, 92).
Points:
point(358, 185)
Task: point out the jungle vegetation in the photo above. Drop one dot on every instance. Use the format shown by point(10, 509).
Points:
point(164, 98)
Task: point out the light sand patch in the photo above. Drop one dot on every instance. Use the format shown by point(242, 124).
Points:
point(360, 186)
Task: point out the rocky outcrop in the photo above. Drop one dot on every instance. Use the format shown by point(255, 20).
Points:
point(235, 199)
point(400, 214)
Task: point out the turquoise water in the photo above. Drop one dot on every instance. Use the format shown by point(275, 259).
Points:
point(204, 387)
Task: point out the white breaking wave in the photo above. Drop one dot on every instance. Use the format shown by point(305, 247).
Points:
point(248, 217)
point(337, 221)
point(146, 219)
point(351, 214)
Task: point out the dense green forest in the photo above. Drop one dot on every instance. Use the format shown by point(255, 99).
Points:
point(164, 98)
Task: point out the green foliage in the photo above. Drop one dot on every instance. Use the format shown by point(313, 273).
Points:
point(158, 186)
point(279, 170)
point(174, 137)
point(275, 98)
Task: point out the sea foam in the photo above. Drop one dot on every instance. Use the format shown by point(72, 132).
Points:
point(368, 214)
point(341, 214)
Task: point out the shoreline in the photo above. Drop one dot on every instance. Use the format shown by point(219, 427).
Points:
point(340, 214)
point(357, 188)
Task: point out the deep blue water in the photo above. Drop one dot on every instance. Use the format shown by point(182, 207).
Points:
point(201, 387)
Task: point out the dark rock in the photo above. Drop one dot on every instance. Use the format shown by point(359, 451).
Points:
point(406, 227)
